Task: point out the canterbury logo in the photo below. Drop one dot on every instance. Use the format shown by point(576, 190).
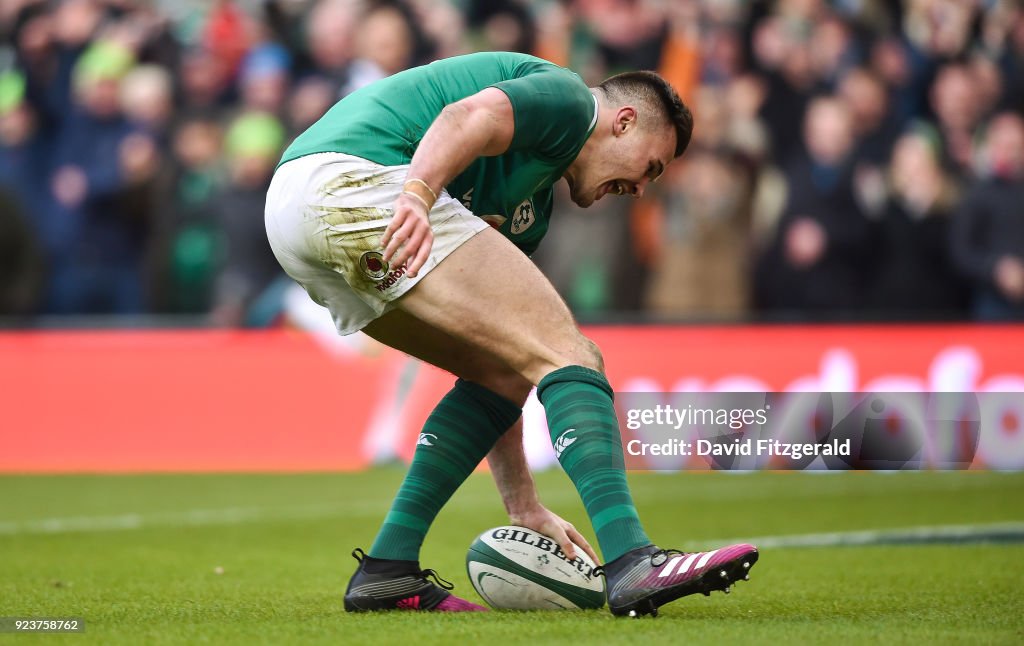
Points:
point(563, 442)
point(686, 562)
point(424, 439)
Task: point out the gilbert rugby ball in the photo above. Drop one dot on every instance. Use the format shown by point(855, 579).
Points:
point(516, 568)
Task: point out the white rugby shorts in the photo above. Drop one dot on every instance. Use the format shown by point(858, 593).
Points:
point(325, 216)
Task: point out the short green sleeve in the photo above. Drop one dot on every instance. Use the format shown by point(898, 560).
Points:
point(554, 112)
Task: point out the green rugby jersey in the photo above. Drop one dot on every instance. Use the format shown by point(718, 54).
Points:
point(554, 111)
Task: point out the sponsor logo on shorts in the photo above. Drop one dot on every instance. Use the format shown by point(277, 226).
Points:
point(524, 217)
point(389, 281)
point(424, 439)
point(373, 265)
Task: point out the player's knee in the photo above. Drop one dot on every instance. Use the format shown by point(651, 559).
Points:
point(575, 350)
point(507, 383)
point(587, 354)
point(596, 357)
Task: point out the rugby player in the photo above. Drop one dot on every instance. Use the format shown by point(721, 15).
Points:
point(409, 211)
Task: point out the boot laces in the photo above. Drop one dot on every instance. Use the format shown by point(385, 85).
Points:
point(658, 558)
point(359, 555)
point(447, 585)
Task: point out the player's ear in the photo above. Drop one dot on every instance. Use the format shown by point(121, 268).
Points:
point(625, 119)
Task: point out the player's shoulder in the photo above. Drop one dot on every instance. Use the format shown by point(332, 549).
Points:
point(526, 65)
point(512, 65)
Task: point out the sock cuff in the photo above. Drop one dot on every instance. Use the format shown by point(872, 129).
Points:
point(503, 412)
point(577, 374)
point(373, 565)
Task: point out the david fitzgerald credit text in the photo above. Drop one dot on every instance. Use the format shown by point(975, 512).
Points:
point(740, 447)
point(819, 430)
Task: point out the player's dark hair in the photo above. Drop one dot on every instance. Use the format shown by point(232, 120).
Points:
point(649, 88)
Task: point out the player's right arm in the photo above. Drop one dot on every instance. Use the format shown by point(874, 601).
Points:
point(481, 125)
point(519, 494)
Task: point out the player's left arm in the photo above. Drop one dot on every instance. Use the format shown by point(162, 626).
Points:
point(481, 125)
point(519, 493)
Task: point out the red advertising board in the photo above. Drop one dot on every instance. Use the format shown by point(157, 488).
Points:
point(126, 401)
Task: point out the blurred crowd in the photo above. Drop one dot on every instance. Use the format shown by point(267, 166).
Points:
point(852, 159)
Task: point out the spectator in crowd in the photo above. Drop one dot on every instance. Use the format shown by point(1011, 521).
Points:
point(701, 267)
point(938, 29)
point(388, 41)
point(782, 50)
point(913, 275)
point(833, 50)
point(202, 83)
point(253, 145)
point(331, 28)
point(818, 258)
point(227, 34)
point(505, 27)
point(444, 26)
point(21, 260)
point(722, 57)
point(25, 160)
point(67, 33)
point(147, 97)
point(954, 101)
point(874, 128)
point(98, 152)
point(988, 230)
point(309, 100)
point(630, 35)
point(264, 79)
point(890, 62)
point(988, 83)
point(1007, 48)
point(586, 255)
point(187, 245)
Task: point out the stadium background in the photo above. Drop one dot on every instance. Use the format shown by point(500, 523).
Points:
point(847, 218)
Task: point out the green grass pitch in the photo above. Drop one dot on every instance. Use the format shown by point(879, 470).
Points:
point(222, 559)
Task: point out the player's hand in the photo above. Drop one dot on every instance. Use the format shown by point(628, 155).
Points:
point(408, 237)
point(543, 520)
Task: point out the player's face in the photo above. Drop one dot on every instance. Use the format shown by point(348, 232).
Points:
point(631, 160)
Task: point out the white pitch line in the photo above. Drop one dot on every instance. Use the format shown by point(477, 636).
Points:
point(991, 532)
point(981, 533)
point(187, 518)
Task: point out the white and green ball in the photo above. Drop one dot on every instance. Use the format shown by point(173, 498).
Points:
point(516, 568)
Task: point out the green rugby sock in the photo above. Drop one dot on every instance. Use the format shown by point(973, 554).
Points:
point(459, 433)
point(585, 434)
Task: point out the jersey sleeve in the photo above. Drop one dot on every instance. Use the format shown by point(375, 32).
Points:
point(554, 112)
